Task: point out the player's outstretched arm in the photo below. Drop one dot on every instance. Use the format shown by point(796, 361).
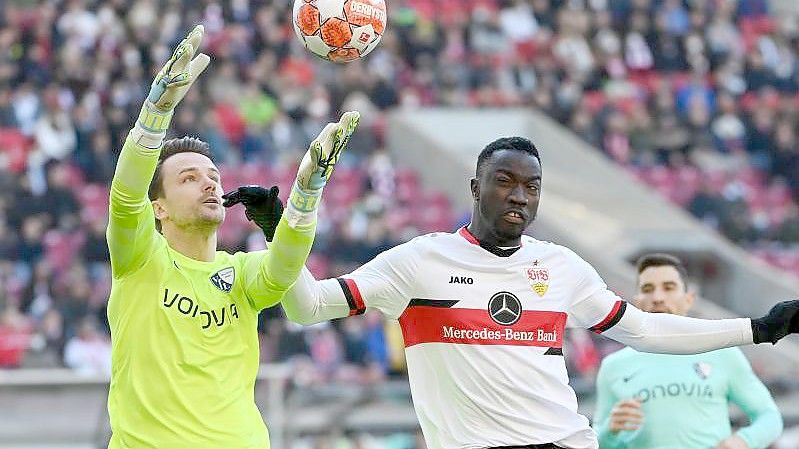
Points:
point(385, 283)
point(293, 235)
point(674, 334)
point(599, 309)
point(311, 301)
point(131, 228)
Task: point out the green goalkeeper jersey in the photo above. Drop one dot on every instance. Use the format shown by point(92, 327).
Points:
point(685, 400)
point(184, 332)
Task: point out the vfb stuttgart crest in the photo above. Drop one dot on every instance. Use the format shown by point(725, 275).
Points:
point(223, 279)
point(539, 278)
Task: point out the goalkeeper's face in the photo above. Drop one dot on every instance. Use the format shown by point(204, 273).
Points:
point(191, 194)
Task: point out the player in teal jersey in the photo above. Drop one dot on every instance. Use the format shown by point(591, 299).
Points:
point(660, 401)
point(183, 315)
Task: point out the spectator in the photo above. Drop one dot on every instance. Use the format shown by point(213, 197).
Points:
point(7, 117)
point(54, 132)
point(30, 247)
point(15, 336)
point(89, 351)
point(95, 250)
point(7, 241)
point(98, 165)
point(58, 199)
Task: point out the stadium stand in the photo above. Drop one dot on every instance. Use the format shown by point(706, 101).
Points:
point(697, 99)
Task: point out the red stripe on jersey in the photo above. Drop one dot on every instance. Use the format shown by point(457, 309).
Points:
point(424, 324)
point(612, 318)
point(360, 306)
point(468, 236)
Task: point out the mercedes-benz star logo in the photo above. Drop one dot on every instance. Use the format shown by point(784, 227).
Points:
point(505, 308)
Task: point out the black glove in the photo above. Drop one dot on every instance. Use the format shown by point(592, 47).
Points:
point(781, 320)
point(262, 206)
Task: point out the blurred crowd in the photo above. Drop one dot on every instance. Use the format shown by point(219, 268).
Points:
point(697, 98)
point(72, 78)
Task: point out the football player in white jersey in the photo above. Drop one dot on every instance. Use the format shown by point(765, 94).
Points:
point(483, 310)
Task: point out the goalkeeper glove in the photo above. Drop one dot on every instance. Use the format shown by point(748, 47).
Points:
point(172, 83)
point(318, 163)
point(781, 320)
point(261, 206)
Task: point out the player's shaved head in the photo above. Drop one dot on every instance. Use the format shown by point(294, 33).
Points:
point(506, 191)
point(505, 143)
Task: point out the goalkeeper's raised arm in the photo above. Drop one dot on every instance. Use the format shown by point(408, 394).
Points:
point(131, 228)
point(292, 233)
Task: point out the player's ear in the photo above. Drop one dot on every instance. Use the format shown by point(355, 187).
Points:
point(159, 210)
point(475, 187)
point(690, 297)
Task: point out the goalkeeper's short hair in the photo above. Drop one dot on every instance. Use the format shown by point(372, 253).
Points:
point(170, 148)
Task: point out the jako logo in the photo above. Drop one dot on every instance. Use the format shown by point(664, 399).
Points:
point(461, 280)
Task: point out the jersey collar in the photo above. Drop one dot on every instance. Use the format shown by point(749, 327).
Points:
point(182, 261)
point(493, 249)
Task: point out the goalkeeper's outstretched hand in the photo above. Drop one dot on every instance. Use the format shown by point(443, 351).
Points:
point(781, 320)
point(320, 159)
point(261, 206)
point(173, 81)
point(179, 73)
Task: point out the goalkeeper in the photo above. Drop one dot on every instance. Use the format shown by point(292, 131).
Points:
point(183, 315)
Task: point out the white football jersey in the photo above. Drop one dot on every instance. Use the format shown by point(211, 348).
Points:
point(483, 329)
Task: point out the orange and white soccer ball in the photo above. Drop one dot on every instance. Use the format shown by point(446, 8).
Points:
point(340, 30)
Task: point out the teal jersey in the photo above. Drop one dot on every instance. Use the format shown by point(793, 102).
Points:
point(685, 400)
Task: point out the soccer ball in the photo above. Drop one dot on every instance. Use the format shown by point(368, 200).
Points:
point(340, 30)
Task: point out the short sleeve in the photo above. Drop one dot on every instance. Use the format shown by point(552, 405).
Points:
point(385, 283)
point(592, 305)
